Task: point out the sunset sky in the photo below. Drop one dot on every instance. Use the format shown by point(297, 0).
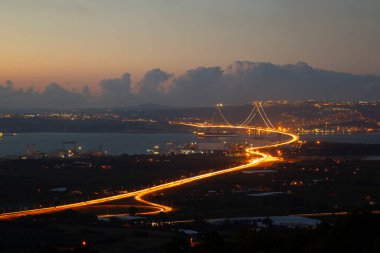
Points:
point(77, 42)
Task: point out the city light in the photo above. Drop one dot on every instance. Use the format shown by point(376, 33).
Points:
point(138, 195)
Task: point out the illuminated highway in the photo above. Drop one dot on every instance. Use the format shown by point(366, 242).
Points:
point(262, 157)
point(258, 158)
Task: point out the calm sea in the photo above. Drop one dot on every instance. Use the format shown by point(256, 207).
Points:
point(119, 143)
point(113, 143)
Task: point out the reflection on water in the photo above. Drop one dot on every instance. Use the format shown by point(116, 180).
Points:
point(114, 143)
point(119, 143)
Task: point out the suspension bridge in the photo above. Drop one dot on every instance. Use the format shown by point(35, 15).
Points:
point(257, 109)
point(257, 158)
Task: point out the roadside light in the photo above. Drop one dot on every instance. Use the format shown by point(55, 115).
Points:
point(84, 243)
point(257, 159)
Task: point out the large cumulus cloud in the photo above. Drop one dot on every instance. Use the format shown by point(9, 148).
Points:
point(153, 86)
point(53, 96)
point(197, 87)
point(299, 81)
point(240, 82)
point(116, 92)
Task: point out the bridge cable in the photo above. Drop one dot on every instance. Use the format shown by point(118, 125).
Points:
point(249, 118)
point(262, 109)
point(224, 118)
point(248, 122)
point(213, 116)
point(262, 117)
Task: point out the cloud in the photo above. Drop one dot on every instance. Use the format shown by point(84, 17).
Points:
point(56, 94)
point(53, 96)
point(244, 81)
point(197, 87)
point(116, 92)
point(153, 86)
point(240, 82)
point(298, 81)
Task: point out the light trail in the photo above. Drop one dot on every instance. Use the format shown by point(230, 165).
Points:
point(252, 151)
point(139, 194)
point(162, 208)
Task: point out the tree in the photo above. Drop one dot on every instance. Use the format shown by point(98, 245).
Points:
point(132, 211)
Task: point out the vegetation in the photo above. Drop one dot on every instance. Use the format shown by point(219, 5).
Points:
point(358, 233)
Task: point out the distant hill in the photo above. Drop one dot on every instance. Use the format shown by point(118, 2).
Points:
point(151, 106)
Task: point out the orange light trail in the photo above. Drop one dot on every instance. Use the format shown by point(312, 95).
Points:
point(251, 151)
point(139, 194)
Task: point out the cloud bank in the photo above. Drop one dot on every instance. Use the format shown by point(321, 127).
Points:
point(240, 82)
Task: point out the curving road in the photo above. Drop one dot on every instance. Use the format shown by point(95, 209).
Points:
point(138, 195)
point(250, 151)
